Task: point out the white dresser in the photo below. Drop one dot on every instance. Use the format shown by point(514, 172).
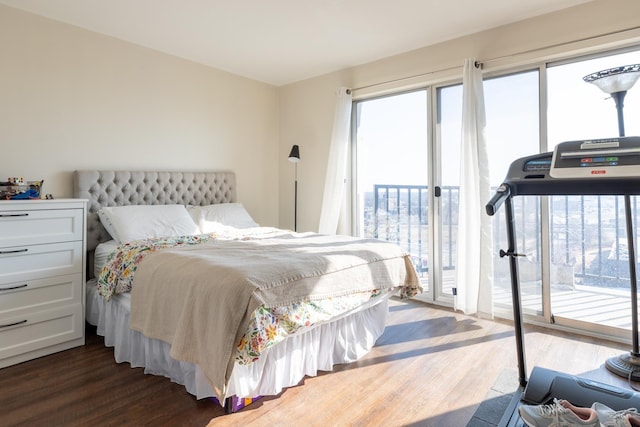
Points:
point(42, 265)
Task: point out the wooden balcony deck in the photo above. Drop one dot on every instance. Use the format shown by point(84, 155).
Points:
point(604, 306)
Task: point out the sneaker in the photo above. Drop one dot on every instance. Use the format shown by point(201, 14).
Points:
point(610, 418)
point(553, 415)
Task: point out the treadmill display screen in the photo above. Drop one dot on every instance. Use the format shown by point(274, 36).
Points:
point(538, 165)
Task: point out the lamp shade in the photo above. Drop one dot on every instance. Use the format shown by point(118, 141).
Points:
point(618, 79)
point(294, 155)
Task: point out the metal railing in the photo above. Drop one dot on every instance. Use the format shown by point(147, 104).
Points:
point(587, 233)
point(400, 214)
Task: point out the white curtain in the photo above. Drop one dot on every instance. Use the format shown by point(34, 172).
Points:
point(335, 181)
point(474, 260)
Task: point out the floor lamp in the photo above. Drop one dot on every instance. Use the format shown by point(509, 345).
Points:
point(616, 82)
point(294, 157)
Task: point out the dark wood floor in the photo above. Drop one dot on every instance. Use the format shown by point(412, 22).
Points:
point(431, 367)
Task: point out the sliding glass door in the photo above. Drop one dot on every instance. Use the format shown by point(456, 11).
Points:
point(512, 111)
point(575, 271)
point(590, 284)
point(407, 186)
point(392, 174)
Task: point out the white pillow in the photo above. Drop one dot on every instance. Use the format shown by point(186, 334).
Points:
point(108, 225)
point(137, 222)
point(230, 214)
point(101, 254)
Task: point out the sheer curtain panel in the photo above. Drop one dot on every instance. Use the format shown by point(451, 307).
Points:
point(335, 181)
point(474, 261)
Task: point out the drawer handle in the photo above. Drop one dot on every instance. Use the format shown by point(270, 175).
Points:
point(13, 252)
point(13, 215)
point(14, 287)
point(13, 324)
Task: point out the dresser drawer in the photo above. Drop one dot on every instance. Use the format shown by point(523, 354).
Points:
point(21, 298)
point(28, 227)
point(42, 245)
point(39, 261)
point(21, 335)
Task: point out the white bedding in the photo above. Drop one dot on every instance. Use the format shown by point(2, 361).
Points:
point(317, 348)
point(101, 254)
point(285, 364)
point(306, 353)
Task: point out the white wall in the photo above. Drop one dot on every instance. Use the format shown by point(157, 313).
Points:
point(306, 108)
point(72, 99)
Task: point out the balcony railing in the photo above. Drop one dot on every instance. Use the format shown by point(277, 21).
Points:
point(587, 233)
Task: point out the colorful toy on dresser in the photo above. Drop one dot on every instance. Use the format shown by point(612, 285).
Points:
point(16, 188)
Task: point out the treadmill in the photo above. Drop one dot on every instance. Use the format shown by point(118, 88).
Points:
point(587, 167)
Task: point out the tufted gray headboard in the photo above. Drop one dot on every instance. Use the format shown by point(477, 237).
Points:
point(118, 188)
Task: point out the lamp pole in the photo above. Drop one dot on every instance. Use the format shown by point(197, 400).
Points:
point(295, 199)
point(618, 97)
point(616, 82)
point(294, 157)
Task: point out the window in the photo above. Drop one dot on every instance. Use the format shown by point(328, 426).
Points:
point(589, 261)
point(392, 169)
point(578, 242)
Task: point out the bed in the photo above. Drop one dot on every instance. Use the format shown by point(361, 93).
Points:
point(218, 337)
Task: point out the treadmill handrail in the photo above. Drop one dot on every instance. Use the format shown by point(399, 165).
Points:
point(502, 193)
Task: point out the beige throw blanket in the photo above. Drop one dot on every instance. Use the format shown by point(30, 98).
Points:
point(200, 299)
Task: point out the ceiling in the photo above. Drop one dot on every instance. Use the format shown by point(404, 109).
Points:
point(284, 41)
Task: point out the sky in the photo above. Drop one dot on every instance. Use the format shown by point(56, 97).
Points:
point(392, 132)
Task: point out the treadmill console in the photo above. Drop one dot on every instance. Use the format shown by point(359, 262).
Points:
point(597, 158)
point(590, 167)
